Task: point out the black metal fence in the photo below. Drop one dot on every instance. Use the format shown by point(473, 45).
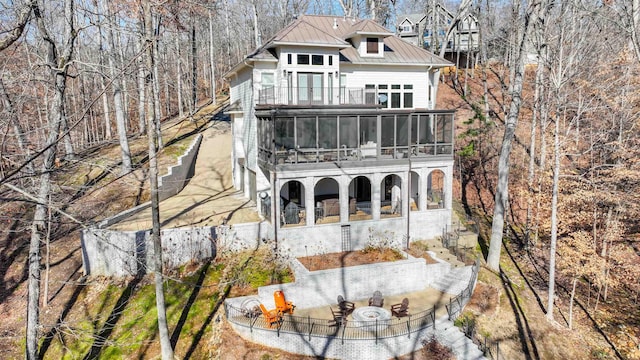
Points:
point(457, 303)
point(348, 330)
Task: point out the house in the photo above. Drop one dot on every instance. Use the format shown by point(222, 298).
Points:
point(429, 31)
point(336, 139)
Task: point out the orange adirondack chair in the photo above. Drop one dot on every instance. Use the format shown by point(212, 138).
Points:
point(282, 305)
point(271, 316)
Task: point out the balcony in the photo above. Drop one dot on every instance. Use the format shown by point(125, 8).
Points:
point(308, 96)
point(312, 136)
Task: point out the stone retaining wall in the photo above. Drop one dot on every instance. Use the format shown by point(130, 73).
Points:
point(127, 253)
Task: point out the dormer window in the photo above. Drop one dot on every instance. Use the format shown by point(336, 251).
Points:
point(372, 45)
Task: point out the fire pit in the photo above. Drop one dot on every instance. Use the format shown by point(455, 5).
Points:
point(370, 316)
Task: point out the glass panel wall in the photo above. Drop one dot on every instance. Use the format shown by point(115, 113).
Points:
point(306, 132)
point(348, 137)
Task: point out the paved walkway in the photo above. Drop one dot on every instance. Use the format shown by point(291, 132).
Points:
point(209, 198)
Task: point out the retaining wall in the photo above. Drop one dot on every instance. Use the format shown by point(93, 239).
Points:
point(168, 185)
point(128, 253)
point(334, 347)
point(318, 288)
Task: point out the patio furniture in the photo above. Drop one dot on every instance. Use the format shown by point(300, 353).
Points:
point(401, 309)
point(376, 299)
point(271, 316)
point(250, 308)
point(345, 306)
point(339, 319)
point(282, 305)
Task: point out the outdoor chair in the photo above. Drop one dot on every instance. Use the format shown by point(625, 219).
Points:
point(271, 316)
point(376, 299)
point(345, 306)
point(282, 305)
point(401, 309)
point(339, 319)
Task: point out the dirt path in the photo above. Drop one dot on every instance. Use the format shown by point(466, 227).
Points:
point(209, 198)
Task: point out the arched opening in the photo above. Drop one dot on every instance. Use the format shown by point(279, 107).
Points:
point(435, 190)
point(414, 185)
point(391, 196)
point(292, 203)
point(360, 199)
point(327, 201)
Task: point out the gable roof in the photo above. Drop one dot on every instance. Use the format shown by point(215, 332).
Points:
point(412, 18)
point(336, 31)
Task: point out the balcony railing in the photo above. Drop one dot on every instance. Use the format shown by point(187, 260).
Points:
point(362, 153)
point(316, 96)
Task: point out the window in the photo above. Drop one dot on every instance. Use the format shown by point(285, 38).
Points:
point(369, 94)
point(383, 96)
point(289, 59)
point(267, 80)
point(303, 59)
point(343, 88)
point(372, 45)
point(395, 96)
point(408, 96)
point(267, 95)
point(317, 60)
point(330, 60)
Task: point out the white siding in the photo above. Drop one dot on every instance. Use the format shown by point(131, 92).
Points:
point(418, 77)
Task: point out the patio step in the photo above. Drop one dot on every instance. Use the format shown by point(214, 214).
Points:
point(452, 337)
point(442, 253)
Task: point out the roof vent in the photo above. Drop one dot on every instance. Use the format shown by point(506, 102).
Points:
point(335, 23)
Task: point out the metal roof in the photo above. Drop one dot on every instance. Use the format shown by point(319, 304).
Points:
point(335, 31)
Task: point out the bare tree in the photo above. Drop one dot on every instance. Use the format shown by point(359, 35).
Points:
point(116, 84)
point(151, 47)
point(502, 188)
point(59, 55)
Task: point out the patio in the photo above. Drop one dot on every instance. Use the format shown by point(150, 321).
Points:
point(419, 301)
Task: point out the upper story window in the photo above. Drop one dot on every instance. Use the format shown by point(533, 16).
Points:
point(317, 59)
point(330, 60)
point(372, 45)
point(289, 60)
point(303, 59)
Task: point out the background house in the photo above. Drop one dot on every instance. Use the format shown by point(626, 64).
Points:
point(429, 31)
point(336, 138)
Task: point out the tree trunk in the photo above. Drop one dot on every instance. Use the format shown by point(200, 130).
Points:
point(116, 84)
point(55, 57)
point(502, 188)
point(179, 76)
point(256, 28)
point(573, 294)
point(142, 119)
point(165, 341)
point(532, 152)
point(554, 219)
point(23, 144)
point(155, 26)
point(212, 59)
point(194, 70)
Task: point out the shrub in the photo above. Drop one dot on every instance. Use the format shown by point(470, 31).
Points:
point(433, 350)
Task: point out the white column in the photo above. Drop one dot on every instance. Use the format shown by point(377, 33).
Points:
point(309, 198)
point(343, 183)
point(448, 186)
point(424, 173)
point(375, 195)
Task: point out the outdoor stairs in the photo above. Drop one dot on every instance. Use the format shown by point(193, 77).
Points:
point(452, 337)
point(435, 245)
point(449, 282)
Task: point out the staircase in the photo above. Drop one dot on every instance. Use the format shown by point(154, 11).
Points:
point(452, 337)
